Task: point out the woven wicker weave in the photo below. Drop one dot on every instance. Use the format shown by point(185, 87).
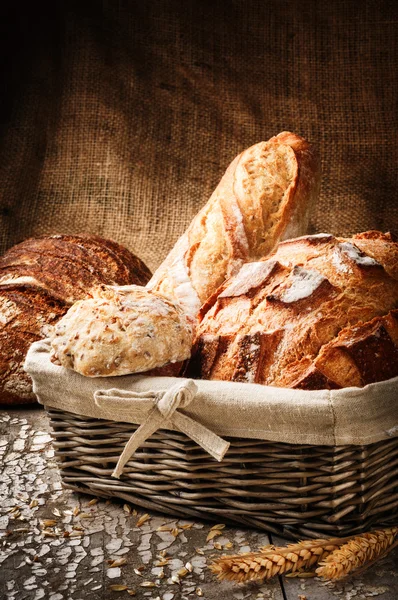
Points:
point(290, 490)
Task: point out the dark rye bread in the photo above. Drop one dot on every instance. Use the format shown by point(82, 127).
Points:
point(83, 260)
point(39, 280)
point(25, 315)
point(319, 313)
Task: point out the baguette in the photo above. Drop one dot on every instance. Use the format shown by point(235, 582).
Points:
point(265, 195)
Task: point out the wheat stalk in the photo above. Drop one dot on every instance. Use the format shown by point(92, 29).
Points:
point(337, 557)
point(273, 561)
point(358, 553)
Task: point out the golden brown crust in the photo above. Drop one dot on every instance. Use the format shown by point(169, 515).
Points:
point(319, 313)
point(39, 279)
point(265, 194)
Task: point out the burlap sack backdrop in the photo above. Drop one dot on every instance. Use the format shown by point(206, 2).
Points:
point(119, 118)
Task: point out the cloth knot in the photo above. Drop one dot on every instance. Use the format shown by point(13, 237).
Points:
point(165, 412)
point(178, 396)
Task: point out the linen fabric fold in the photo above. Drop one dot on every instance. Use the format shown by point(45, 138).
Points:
point(164, 414)
point(326, 417)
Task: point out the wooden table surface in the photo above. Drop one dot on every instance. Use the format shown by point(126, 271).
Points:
point(57, 545)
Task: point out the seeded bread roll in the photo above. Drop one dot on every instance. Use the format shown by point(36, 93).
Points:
point(121, 330)
point(265, 195)
point(39, 280)
point(320, 313)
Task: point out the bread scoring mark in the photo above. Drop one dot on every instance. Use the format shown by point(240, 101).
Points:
point(313, 240)
point(250, 277)
point(184, 290)
point(239, 228)
point(24, 280)
point(313, 379)
point(302, 284)
point(339, 263)
point(254, 355)
point(357, 256)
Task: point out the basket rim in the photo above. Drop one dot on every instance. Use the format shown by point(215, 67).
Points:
point(358, 416)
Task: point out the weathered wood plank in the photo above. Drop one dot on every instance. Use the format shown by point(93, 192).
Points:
point(68, 557)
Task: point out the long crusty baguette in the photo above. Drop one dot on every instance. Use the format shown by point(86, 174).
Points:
point(265, 195)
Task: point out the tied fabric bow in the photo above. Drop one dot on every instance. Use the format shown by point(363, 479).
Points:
point(164, 413)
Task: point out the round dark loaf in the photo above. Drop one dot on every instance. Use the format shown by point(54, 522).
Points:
point(319, 313)
point(39, 280)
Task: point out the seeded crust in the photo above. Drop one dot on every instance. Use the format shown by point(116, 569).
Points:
point(121, 330)
point(265, 195)
point(39, 279)
point(320, 313)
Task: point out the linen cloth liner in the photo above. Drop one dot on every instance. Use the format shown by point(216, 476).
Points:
point(326, 417)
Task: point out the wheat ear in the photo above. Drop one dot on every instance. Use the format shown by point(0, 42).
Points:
point(274, 561)
point(358, 553)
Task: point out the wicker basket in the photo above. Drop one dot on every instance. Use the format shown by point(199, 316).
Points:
point(286, 489)
point(287, 469)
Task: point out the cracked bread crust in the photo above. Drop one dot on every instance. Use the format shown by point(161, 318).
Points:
point(266, 194)
point(320, 313)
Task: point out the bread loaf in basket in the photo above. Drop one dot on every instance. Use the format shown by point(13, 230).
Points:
point(319, 313)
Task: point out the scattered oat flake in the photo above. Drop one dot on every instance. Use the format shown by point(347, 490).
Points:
point(175, 579)
point(127, 508)
point(34, 503)
point(218, 546)
point(119, 562)
point(148, 584)
point(49, 533)
point(199, 551)
point(218, 527)
point(142, 520)
point(162, 563)
point(48, 523)
point(228, 545)
point(189, 567)
point(92, 502)
point(175, 532)
point(118, 588)
point(212, 534)
point(131, 592)
point(138, 572)
point(164, 528)
point(76, 511)
point(198, 591)
point(187, 526)
point(182, 572)
point(84, 515)
point(56, 512)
